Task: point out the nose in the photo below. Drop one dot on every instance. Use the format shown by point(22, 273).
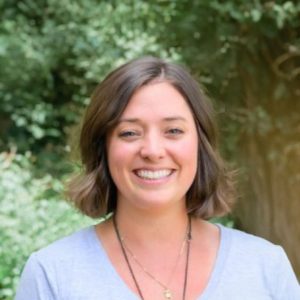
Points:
point(152, 147)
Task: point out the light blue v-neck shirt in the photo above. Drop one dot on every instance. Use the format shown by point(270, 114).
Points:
point(77, 268)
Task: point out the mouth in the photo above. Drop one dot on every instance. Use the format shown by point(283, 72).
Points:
point(153, 175)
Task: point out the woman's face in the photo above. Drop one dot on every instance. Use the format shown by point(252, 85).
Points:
point(152, 152)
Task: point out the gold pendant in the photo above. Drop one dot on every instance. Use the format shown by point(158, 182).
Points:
point(167, 294)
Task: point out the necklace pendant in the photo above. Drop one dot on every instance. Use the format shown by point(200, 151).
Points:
point(167, 294)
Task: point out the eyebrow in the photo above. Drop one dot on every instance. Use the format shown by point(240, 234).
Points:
point(167, 119)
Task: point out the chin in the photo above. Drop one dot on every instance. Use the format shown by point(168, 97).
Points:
point(157, 203)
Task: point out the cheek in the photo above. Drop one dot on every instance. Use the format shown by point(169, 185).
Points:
point(189, 149)
point(189, 155)
point(113, 158)
point(118, 154)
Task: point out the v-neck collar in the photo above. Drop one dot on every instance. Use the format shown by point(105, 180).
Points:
point(215, 277)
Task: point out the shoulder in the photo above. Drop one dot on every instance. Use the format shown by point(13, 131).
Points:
point(260, 261)
point(249, 253)
point(56, 271)
point(67, 248)
point(249, 243)
point(253, 251)
point(54, 266)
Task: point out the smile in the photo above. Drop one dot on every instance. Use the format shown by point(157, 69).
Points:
point(153, 175)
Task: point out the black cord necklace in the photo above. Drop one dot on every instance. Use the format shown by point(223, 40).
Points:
point(189, 238)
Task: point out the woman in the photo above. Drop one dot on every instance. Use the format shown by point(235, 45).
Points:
point(148, 144)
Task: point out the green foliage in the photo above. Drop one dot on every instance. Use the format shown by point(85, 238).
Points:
point(227, 221)
point(54, 52)
point(247, 54)
point(222, 37)
point(32, 215)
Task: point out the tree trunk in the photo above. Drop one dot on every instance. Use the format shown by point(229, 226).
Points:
point(270, 201)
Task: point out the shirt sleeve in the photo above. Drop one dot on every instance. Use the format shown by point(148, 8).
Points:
point(35, 282)
point(287, 286)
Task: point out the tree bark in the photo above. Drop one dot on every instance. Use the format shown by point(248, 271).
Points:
point(270, 201)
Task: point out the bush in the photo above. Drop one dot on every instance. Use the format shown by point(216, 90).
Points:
point(32, 214)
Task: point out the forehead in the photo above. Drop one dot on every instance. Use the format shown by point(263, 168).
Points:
point(159, 99)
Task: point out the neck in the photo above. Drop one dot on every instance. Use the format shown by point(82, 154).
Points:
point(167, 292)
point(143, 226)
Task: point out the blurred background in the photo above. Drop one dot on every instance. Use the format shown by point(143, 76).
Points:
point(54, 52)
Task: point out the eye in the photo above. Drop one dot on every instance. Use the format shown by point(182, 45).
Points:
point(175, 131)
point(128, 134)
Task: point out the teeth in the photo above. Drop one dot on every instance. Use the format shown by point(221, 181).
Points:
point(146, 174)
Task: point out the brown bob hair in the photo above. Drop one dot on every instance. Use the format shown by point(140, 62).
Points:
point(94, 192)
